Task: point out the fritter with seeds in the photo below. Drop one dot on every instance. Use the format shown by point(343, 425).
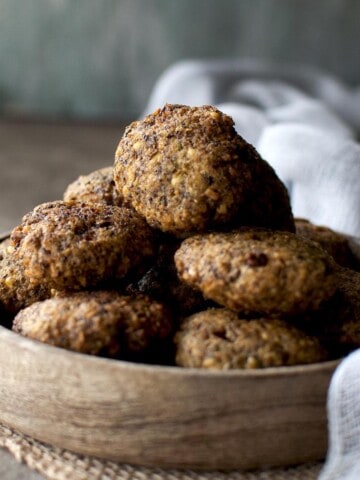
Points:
point(258, 271)
point(73, 246)
point(186, 170)
point(219, 339)
point(336, 244)
point(16, 290)
point(97, 187)
point(97, 323)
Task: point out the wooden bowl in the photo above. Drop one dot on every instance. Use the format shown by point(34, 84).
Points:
point(164, 416)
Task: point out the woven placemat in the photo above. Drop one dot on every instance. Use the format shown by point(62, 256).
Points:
point(57, 464)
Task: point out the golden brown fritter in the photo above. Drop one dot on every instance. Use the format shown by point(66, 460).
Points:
point(258, 271)
point(219, 339)
point(336, 244)
point(97, 323)
point(186, 170)
point(96, 187)
point(16, 291)
point(75, 246)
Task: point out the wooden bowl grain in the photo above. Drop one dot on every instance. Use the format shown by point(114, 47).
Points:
point(164, 416)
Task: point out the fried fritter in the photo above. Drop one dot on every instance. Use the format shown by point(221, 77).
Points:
point(336, 244)
point(96, 187)
point(186, 170)
point(97, 323)
point(258, 271)
point(219, 339)
point(74, 246)
point(16, 290)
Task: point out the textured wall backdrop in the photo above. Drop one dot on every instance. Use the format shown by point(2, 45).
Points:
point(100, 58)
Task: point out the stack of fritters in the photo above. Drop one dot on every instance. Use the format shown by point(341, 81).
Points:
point(184, 252)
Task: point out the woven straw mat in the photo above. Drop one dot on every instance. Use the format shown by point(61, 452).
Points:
point(57, 464)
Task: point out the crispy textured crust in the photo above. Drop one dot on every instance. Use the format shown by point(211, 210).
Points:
point(77, 246)
point(186, 170)
point(334, 243)
point(96, 323)
point(258, 271)
point(16, 291)
point(97, 187)
point(218, 339)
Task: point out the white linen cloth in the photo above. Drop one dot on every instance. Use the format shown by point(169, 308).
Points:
point(321, 170)
point(343, 459)
point(302, 121)
point(305, 123)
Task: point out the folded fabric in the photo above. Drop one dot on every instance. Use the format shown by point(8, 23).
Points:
point(343, 460)
point(249, 121)
point(312, 113)
point(321, 171)
point(199, 82)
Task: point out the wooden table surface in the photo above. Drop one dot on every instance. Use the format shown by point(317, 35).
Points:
point(37, 162)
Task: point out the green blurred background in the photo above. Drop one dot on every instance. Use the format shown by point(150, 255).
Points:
point(99, 59)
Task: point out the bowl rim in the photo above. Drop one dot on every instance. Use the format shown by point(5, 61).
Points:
point(34, 346)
